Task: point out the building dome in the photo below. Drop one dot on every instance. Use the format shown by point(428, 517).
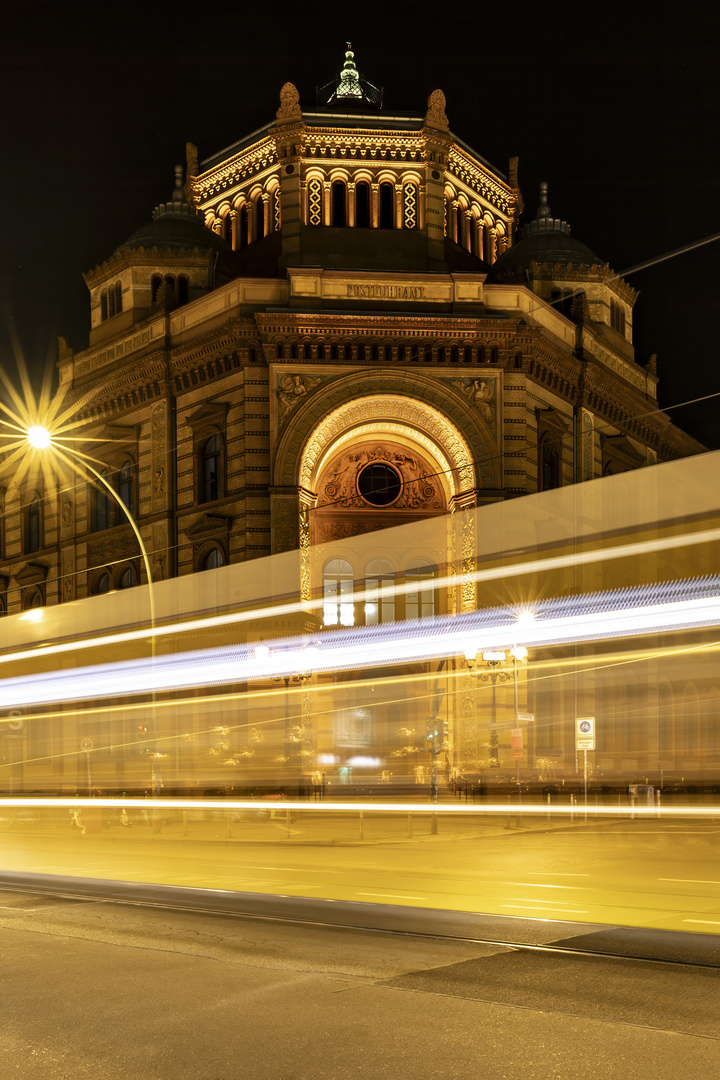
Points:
point(544, 240)
point(176, 224)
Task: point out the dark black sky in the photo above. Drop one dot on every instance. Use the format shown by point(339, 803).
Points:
point(616, 106)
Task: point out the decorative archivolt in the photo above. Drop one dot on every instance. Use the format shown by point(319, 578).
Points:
point(381, 413)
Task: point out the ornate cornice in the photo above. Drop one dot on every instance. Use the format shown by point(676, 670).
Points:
point(481, 181)
point(243, 168)
point(124, 256)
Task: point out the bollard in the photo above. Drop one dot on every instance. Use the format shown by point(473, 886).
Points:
point(410, 825)
point(184, 822)
point(362, 833)
point(572, 808)
point(658, 803)
point(287, 824)
point(228, 830)
point(548, 809)
point(632, 807)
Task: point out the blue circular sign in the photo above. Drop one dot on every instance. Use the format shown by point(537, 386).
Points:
point(585, 726)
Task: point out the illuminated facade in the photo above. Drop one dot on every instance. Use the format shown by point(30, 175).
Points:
point(334, 325)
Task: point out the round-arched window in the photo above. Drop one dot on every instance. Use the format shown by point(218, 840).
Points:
point(214, 559)
point(379, 484)
point(128, 578)
point(102, 585)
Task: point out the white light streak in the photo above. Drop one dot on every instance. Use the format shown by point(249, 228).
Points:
point(595, 617)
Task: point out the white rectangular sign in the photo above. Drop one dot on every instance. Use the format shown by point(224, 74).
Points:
point(585, 733)
point(525, 717)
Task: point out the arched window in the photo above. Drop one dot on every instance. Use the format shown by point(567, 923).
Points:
point(420, 600)
point(379, 600)
point(362, 205)
point(617, 317)
point(118, 297)
point(387, 206)
point(111, 302)
point(242, 235)
point(259, 218)
point(460, 226)
point(128, 578)
point(338, 606)
point(102, 504)
point(183, 289)
point(549, 463)
point(170, 289)
point(211, 469)
point(126, 489)
point(33, 599)
point(155, 284)
point(104, 305)
point(227, 229)
point(213, 559)
point(339, 204)
point(33, 525)
point(101, 584)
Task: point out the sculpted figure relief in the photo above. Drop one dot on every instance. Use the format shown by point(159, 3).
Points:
point(420, 489)
point(482, 396)
point(292, 389)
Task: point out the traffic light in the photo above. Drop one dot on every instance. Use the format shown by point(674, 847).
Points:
point(432, 730)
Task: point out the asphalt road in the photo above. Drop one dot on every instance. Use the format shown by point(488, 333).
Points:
point(642, 873)
point(92, 989)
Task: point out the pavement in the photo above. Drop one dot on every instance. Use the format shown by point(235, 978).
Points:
point(96, 989)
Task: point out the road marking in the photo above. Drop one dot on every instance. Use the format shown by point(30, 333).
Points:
point(540, 873)
point(292, 869)
point(691, 880)
point(705, 922)
point(392, 895)
point(538, 885)
point(563, 911)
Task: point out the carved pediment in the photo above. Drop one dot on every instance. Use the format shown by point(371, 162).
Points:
point(32, 573)
point(553, 421)
point(210, 414)
point(115, 443)
point(620, 448)
point(208, 525)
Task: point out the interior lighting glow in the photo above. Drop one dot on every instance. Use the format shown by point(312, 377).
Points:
point(494, 657)
point(519, 652)
point(39, 437)
point(33, 615)
point(526, 618)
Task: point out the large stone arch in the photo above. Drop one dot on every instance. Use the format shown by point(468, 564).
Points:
point(360, 397)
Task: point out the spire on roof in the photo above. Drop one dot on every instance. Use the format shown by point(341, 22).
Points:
point(543, 221)
point(178, 205)
point(350, 89)
point(349, 85)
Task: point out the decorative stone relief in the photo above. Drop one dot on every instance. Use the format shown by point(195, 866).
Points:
point(588, 463)
point(420, 489)
point(68, 574)
point(289, 110)
point(343, 530)
point(285, 524)
point(111, 550)
point(436, 115)
point(291, 391)
point(67, 515)
point(159, 457)
point(158, 558)
point(481, 393)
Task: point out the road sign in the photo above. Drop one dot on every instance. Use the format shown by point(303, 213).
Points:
point(516, 738)
point(585, 733)
point(516, 755)
point(525, 717)
point(87, 744)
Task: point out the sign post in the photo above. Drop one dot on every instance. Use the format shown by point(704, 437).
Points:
point(585, 740)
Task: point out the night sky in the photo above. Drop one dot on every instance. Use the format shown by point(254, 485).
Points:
point(616, 106)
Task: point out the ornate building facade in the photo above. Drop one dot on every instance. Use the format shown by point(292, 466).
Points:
point(333, 325)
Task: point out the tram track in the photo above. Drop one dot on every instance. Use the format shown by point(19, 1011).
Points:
point(667, 948)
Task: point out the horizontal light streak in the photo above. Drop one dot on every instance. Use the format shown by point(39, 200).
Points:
point(503, 572)
point(597, 616)
point(505, 809)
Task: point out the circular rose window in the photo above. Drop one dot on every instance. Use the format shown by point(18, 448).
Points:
point(379, 484)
